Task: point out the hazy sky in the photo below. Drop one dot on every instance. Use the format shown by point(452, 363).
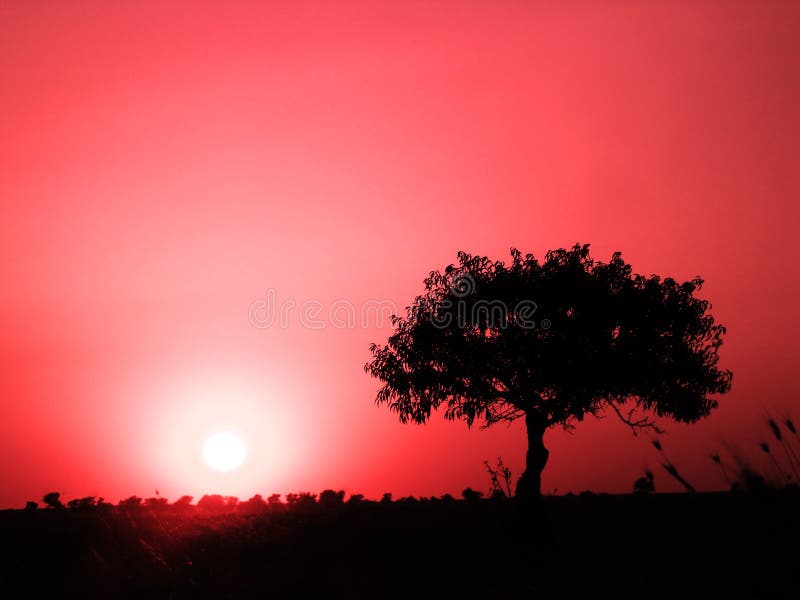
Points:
point(165, 165)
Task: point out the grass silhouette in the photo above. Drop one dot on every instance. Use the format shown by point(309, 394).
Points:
point(336, 545)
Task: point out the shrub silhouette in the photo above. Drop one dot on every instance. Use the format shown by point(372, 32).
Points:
point(212, 503)
point(603, 339)
point(331, 499)
point(355, 499)
point(51, 500)
point(183, 502)
point(256, 504)
point(306, 499)
point(645, 484)
point(131, 502)
point(82, 503)
point(471, 495)
point(156, 503)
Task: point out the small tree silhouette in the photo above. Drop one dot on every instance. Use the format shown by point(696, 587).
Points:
point(51, 500)
point(82, 503)
point(255, 504)
point(645, 484)
point(156, 503)
point(130, 503)
point(212, 503)
point(183, 503)
point(471, 495)
point(331, 498)
point(602, 338)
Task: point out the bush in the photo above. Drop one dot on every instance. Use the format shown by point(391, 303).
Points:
point(158, 503)
point(212, 503)
point(82, 503)
point(471, 495)
point(331, 499)
point(183, 502)
point(645, 484)
point(51, 500)
point(131, 502)
point(256, 504)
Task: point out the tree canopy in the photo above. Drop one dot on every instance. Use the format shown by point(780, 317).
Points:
point(553, 341)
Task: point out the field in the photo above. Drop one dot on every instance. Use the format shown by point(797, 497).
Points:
point(650, 545)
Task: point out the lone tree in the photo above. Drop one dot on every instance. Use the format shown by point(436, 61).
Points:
point(552, 342)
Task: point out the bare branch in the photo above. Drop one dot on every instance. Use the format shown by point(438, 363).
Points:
point(636, 424)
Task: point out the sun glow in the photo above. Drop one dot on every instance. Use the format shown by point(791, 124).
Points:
point(224, 451)
point(219, 430)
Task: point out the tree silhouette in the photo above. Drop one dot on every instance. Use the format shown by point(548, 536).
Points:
point(551, 342)
point(52, 500)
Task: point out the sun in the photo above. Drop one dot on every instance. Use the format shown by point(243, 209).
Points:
point(224, 451)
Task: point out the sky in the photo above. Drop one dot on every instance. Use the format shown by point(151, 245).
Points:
point(167, 168)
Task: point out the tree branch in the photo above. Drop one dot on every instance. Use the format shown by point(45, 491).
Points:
point(636, 424)
point(509, 413)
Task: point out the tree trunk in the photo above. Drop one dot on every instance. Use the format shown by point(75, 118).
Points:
point(530, 484)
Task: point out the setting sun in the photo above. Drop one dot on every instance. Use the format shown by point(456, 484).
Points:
point(224, 451)
point(307, 298)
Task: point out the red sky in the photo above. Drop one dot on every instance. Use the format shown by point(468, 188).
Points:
point(163, 167)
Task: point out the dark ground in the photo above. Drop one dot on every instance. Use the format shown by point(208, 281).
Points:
point(632, 546)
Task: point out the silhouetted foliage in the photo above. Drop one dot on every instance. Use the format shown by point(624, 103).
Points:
point(645, 484)
point(783, 467)
point(212, 503)
point(82, 503)
point(51, 500)
point(256, 504)
point(471, 495)
point(156, 503)
point(792, 470)
point(305, 499)
point(483, 549)
point(500, 479)
point(302, 500)
point(31, 505)
point(331, 499)
point(274, 502)
point(602, 338)
point(131, 502)
point(671, 469)
point(183, 502)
